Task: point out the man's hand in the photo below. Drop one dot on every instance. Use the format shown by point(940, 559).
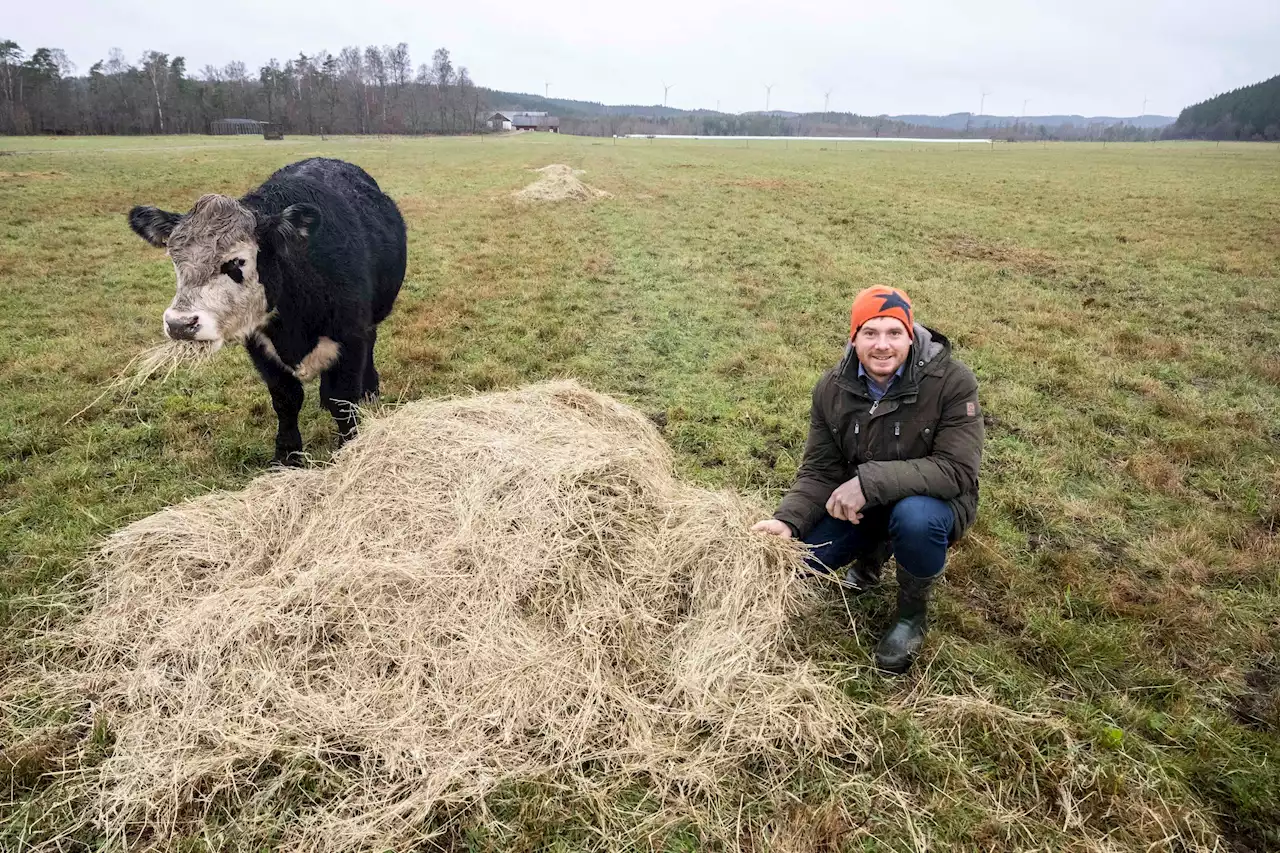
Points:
point(774, 527)
point(847, 501)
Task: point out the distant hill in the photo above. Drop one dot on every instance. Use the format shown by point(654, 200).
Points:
point(567, 108)
point(1251, 112)
point(961, 121)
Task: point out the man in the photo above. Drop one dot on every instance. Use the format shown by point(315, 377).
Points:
point(891, 463)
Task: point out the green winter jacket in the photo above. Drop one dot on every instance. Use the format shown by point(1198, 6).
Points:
point(924, 437)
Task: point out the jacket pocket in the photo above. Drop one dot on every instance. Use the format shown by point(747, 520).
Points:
point(913, 437)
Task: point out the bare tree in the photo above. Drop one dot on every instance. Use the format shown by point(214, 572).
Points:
point(10, 61)
point(127, 95)
point(238, 97)
point(400, 72)
point(269, 77)
point(376, 69)
point(424, 89)
point(351, 64)
point(442, 74)
point(468, 98)
point(327, 81)
point(155, 66)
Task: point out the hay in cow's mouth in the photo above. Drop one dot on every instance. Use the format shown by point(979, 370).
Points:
point(477, 593)
point(157, 362)
point(163, 359)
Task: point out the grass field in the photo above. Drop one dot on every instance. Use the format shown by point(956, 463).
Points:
point(1104, 669)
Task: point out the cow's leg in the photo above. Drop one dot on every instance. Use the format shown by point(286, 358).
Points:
point(286, 398)
point(371, 387)
point(341, 388)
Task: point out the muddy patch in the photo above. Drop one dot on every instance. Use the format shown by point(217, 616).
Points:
point(999, 253)
point(1258, 705)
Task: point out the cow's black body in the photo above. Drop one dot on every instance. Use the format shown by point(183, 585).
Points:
point(339, 284)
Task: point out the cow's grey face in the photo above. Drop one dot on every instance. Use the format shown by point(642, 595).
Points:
point(215, 250)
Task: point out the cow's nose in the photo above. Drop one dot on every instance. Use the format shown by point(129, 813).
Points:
point(182, 328)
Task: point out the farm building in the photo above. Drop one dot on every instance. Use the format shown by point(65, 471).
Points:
point(524, 120)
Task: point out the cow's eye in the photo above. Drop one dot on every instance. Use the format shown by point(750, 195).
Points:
point(232, 270)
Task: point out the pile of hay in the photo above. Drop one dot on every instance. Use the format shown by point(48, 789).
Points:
point(559, 183)
point(507, 588)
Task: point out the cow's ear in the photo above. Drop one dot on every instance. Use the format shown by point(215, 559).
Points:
point(299, 221)
point(153, 224)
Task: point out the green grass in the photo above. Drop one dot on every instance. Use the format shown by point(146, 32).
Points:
point(1105, 662)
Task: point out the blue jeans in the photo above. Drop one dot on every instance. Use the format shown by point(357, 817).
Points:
point(917, 527)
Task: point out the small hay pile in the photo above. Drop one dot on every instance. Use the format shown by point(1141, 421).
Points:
point(559, 183)
point(479, 592)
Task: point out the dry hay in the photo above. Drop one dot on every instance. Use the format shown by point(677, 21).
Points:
point(155, 363)
point(559, 183)
point(507, 588)
point(162, 360)
point(492, 613)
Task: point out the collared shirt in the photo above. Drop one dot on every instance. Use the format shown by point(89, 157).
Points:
point(873, 388)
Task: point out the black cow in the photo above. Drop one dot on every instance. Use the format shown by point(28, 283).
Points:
point(301, 270)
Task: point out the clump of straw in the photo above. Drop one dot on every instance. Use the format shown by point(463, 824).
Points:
point(480, 592)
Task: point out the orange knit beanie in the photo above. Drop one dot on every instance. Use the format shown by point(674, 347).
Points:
point(880, 301)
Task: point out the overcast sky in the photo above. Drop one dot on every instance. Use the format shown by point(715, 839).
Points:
point(1093, 57)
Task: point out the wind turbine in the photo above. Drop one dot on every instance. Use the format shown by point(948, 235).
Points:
point(546, 90)
point(768, 90)
point(982, 105)
point(826, 102)
point(665, 89)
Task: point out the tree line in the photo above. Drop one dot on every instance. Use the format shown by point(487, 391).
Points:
point(358, 90)
point(1248, 113)
point(378, 90)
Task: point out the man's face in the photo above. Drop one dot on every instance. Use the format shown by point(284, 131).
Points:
point(882, 345)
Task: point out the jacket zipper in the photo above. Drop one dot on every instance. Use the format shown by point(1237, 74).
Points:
point(897, 439)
